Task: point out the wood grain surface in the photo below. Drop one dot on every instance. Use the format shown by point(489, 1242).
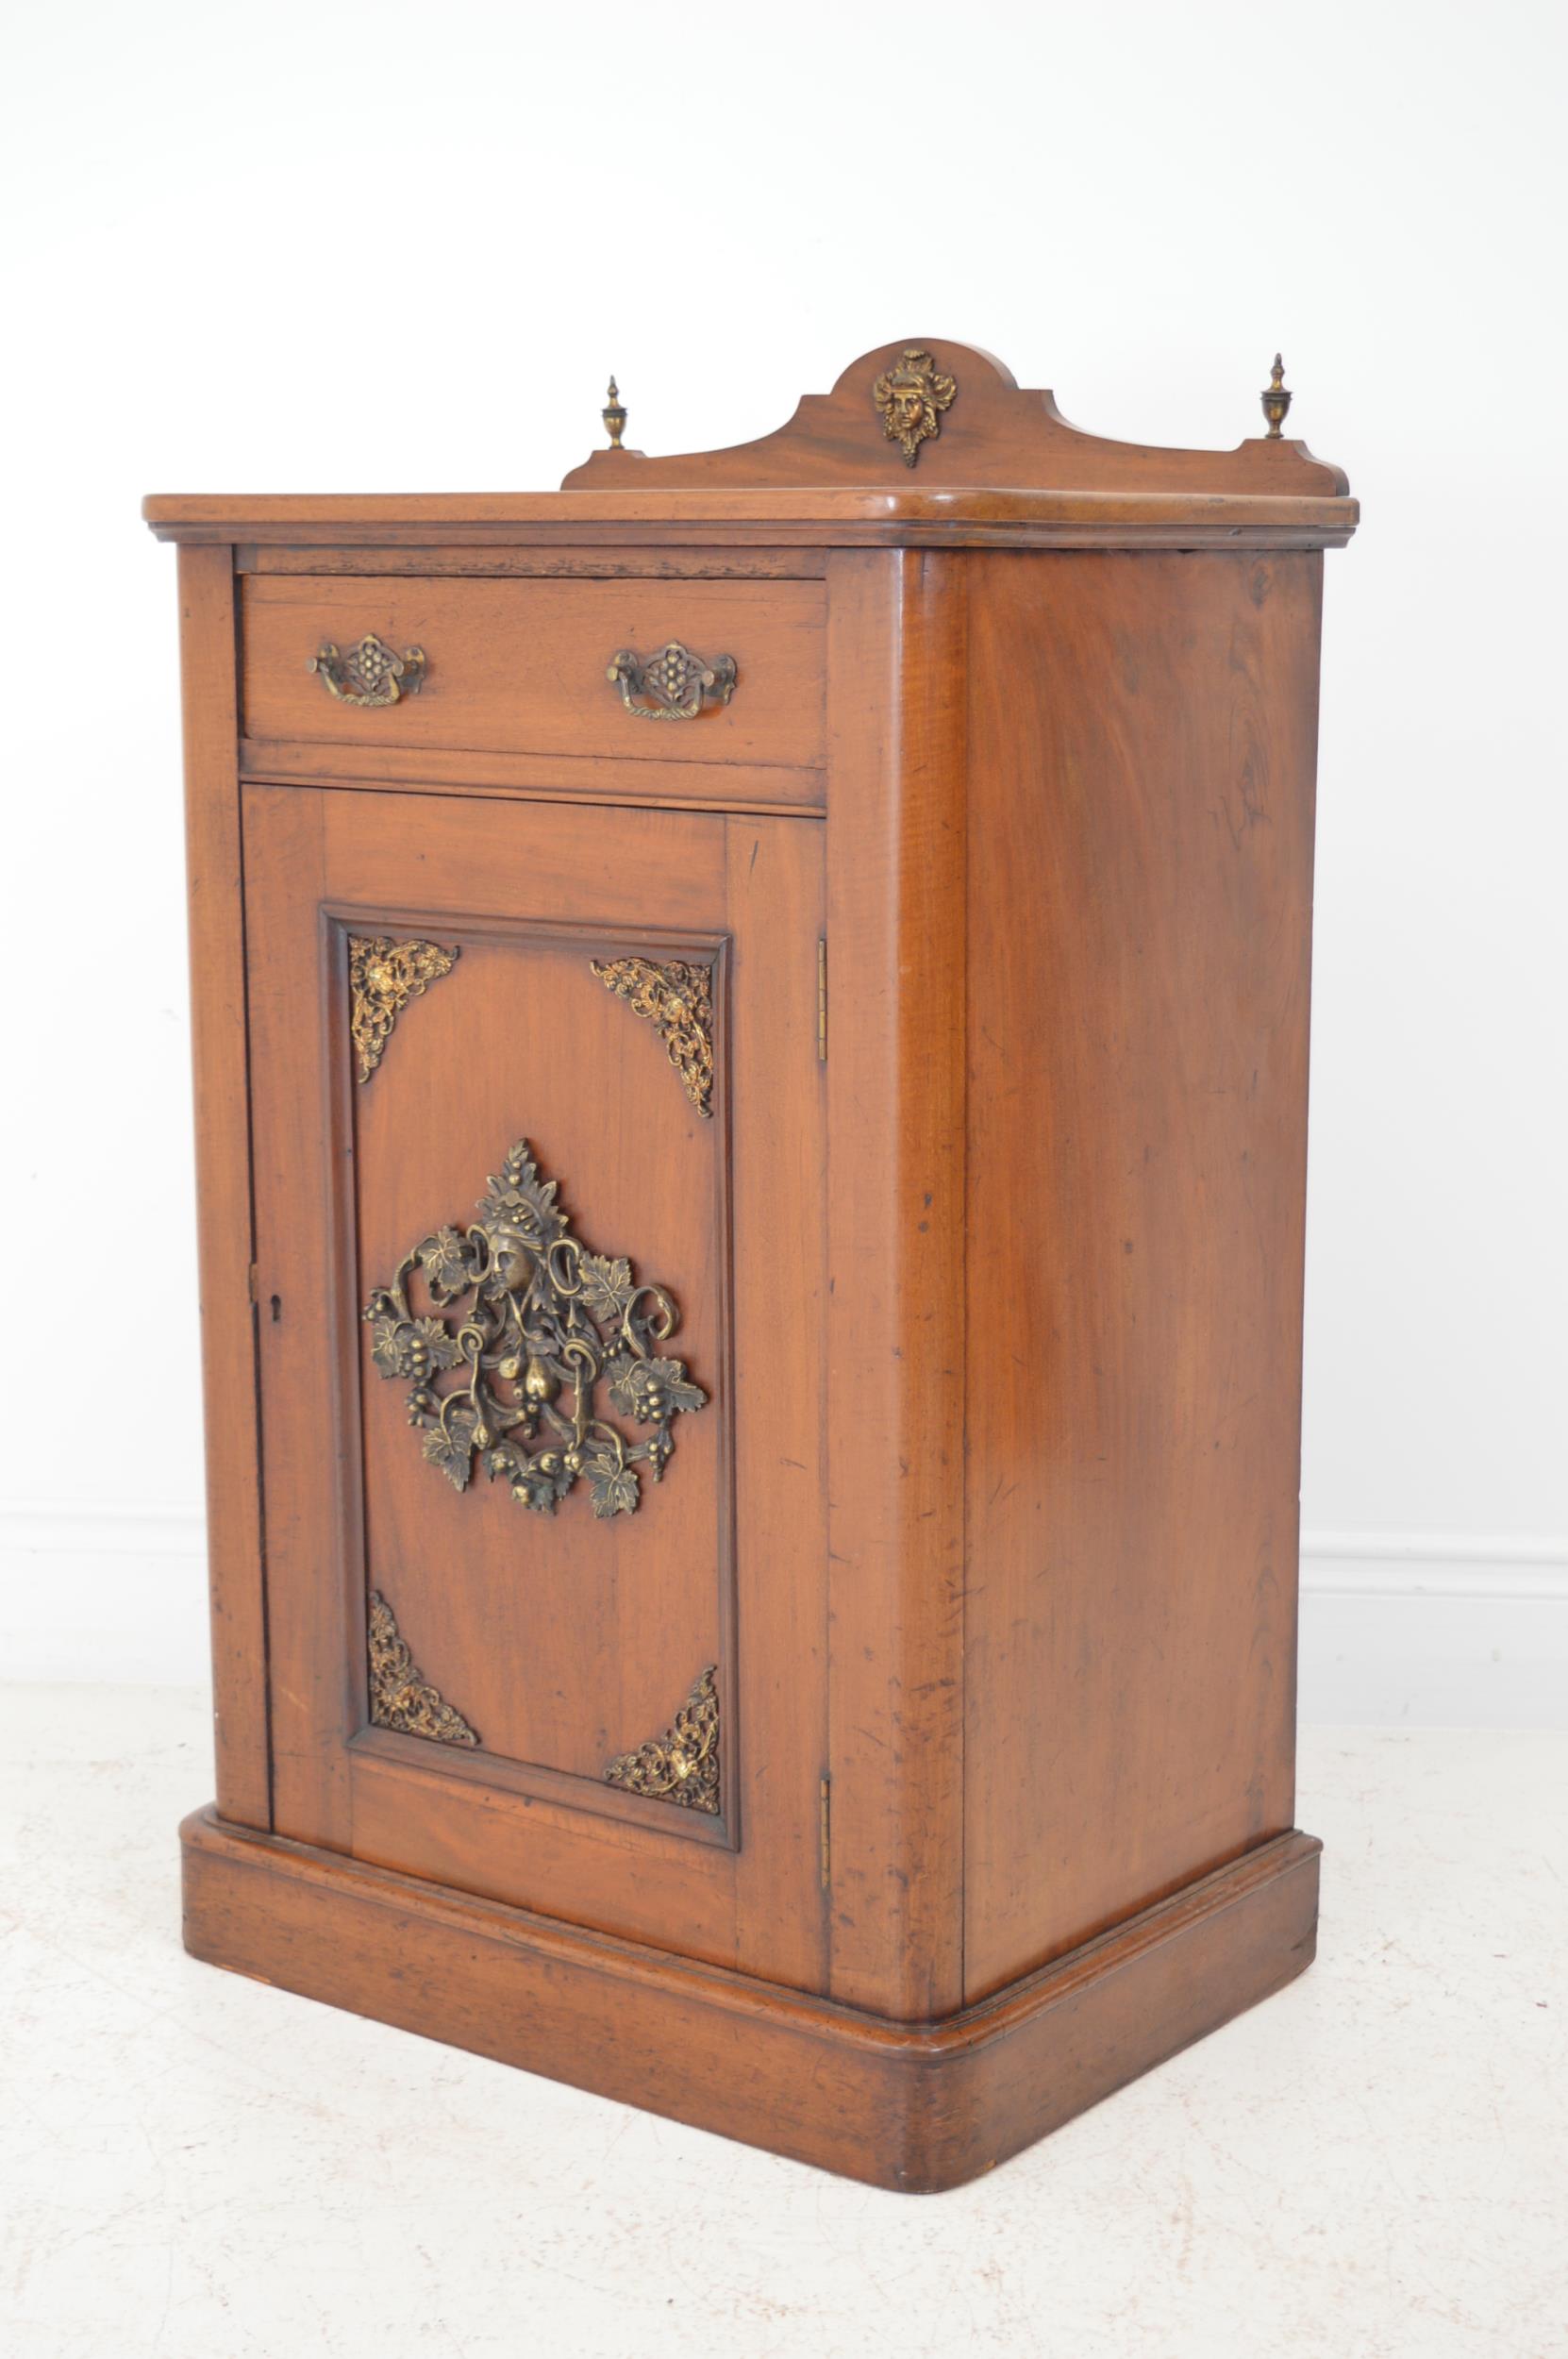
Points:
point(991, 434)
point(990, 1257)
point(895, 1380)
point(564, 1640)
point(914, 2107)
point(220, 1059)
point(521, 666)
point(1140, 797)
point(629, 520)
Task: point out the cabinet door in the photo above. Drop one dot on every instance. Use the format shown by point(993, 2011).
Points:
point(539, 1166)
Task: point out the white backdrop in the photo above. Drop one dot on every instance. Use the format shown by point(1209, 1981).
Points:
point(384, 247)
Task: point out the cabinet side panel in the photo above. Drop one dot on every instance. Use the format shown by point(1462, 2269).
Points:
point(213, 870)
point(1144, 746)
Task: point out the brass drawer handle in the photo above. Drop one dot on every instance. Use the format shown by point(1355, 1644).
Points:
point(678, 682)
point(369, 673)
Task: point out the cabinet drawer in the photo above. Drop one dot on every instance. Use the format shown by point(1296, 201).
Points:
point(524, 666)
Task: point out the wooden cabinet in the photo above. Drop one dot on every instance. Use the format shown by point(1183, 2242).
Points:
point(750, 1026)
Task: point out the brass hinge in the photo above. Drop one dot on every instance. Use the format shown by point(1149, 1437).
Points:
point(822, 1000)
point(254, 1277)
point(825, 1837)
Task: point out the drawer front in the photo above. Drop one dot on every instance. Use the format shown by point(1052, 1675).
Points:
point(525, 666)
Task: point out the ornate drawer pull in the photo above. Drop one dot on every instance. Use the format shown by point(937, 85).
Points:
point(369, 673)
point(679, 681)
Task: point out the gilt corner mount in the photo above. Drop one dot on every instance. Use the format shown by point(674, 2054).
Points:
point(682, 1765)
point(676, 998)
point(383, 977)
point(546, 1321)
point(400, 1696)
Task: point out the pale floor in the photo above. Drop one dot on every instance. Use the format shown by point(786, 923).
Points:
point(1371, 2166)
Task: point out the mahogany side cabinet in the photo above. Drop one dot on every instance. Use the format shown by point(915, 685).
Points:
point(750, 1026)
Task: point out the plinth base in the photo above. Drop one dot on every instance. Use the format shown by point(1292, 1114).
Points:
point(919, 2107)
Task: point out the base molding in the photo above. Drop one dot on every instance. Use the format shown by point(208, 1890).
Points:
point(918, 2107)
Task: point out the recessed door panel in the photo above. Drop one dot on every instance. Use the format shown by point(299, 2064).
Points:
point(592, 1578)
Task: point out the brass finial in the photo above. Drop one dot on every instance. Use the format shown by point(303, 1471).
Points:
point(614, 417)
point(1275, 398)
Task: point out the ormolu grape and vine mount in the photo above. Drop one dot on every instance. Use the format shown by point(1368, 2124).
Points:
point(545, 1321)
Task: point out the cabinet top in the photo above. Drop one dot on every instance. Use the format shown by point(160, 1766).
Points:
point(921, 441)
